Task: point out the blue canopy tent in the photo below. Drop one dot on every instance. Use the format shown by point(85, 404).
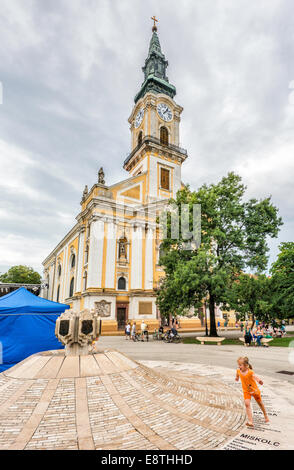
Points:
point(27, 326)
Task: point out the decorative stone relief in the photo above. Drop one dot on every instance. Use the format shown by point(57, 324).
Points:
point(103, 308)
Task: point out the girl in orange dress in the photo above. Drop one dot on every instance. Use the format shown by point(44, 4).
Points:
point(250, 389)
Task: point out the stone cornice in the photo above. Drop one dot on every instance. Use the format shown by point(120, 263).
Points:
point(151, 144)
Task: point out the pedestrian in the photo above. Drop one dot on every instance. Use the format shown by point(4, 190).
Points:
point(259, 336)
point(218, 325)
point(241, 326)
point(250, 389)
point(247, 336)
point(133, 331)
point(128, 331)
point(143, 330)
point(94, 345)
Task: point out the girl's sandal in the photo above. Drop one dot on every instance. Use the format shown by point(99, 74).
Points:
point(250, 425)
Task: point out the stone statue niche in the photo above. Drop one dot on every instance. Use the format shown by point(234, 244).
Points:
point(77, 331)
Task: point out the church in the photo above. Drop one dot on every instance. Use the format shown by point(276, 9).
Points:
point(108, 262)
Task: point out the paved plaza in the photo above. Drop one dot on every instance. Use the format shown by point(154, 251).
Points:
point(107, 401)
point(266, 361)
point(149, 396)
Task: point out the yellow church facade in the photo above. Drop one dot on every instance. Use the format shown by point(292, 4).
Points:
point(109, 261)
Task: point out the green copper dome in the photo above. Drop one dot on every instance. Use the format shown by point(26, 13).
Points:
point(155, 79)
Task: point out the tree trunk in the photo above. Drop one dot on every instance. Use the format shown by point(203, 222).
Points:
point(213, 330)
point(253, 321)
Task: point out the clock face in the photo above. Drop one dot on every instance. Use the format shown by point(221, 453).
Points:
point(164, 112)
point(139, 117)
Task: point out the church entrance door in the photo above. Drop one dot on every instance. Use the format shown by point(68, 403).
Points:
point(121, 315)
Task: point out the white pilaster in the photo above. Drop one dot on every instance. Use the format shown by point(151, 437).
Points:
point(111, 256)
point(149, 260)
point(96, 254)
point(80, 260)
point(136, 278)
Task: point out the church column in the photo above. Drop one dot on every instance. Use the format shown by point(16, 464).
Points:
point(96, 253)
point(111, 256)
point(136, 278)
point(80, 259)
point(149, 260)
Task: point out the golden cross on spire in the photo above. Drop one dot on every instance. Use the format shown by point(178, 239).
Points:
point(154, 28)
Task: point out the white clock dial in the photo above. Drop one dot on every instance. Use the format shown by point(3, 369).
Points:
point(164, 112)
point(139, 117)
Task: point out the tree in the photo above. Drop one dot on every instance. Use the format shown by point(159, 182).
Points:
point(21, 275)
point(233, 237)
point(251, 295)
point(283, 281)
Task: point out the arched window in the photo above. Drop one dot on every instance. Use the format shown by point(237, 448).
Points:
point(85, 277)
point(140, 138)
point(71, 287)
point(59, 270)
point(57, 295)
point(163, 136)
point(73, 261)
point(121, 285)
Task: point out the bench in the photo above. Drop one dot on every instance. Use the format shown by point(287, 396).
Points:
point(264, 341)
point(210, 339)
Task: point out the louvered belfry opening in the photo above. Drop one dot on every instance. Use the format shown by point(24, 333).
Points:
point(163, 136)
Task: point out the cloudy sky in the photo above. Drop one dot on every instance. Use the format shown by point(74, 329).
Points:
point(70, 70)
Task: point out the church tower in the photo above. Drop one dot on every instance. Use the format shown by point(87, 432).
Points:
point(154, 124)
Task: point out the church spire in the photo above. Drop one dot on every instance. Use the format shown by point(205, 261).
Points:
point(155, 78)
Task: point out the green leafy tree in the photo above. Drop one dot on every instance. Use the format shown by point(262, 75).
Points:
point(252, 295)
point(21, 275)
point(233, 237)
point(283, 281)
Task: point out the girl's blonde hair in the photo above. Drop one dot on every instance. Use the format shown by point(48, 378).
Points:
point(245, 361)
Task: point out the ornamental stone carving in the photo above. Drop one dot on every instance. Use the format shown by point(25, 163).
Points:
point(77, 331)
point(103, 308)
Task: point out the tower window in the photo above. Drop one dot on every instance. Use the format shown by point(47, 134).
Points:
point(121, 285)
point(57, 296)
point(140, 138)
point(59, 270)
point(73, 261)
point(163, 136)
point(164, 179)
